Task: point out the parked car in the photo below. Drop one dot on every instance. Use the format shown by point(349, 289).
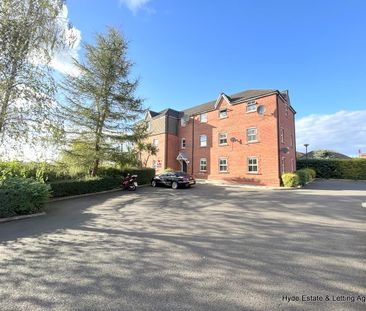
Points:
point(173, 179)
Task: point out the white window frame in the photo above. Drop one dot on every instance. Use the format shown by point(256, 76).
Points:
point(203, 143)
point(282, 135)
point(183, 143)
point(222, 110)
point(283, 165)
point(249, 106)
point(203, 165)
point(249, 135)
point(227, 165)
point(225, 143)
point(203, 117)
point(251, 165)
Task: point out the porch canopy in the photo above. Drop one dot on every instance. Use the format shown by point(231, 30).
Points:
point(182, 157)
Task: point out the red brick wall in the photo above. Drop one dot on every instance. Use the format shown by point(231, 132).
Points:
point(160, 154)
point(173, 145)
point(235, 125)
point(266, 149)
point(287, 122)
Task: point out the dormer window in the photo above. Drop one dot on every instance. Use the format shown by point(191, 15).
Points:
point(251, 106)
point(223, 113)
point(203, 117)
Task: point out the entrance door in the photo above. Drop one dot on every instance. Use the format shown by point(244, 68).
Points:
point(184, 166)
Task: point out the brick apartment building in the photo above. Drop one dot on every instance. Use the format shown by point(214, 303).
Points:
point(248, 138)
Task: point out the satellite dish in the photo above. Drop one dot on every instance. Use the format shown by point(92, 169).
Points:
point(261, 110)
point(285, 150)
point(233, 139)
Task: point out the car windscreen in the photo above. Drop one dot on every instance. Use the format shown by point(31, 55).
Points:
point(180, 174)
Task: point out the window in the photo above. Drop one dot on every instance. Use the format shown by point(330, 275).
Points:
point(183, 143)
point(203, 117)
point(203, 141)
point(148, 126)
point(223, 113)
point(222, 139)
point(251, 134)
point(286, 110)
point(155, 142)
point(203, 165)
point(282, 135)
point(251, 106)
point(222, 165)
point(292, 140)
point(252, 165)
point(283, 165)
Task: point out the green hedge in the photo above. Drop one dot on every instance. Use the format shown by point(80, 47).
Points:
point(75, 187)
point(336, 168)
point(82, 186)
point(300, 177)
point(21, 196)
point(37, 170)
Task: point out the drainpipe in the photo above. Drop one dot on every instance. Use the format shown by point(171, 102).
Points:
point(166, 142)
point(278, 140)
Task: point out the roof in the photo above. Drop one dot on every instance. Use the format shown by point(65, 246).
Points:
point(330, 155)
point(234, 99)
point(169, 112)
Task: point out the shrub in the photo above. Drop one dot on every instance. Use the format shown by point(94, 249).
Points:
point(82, 186)
point(21, 196)
point(336, 168)
point(40, 171)
point(290, 180)
point(312, 173)
point(168, 170)
point(303, 177)
point(144, 175)
point(90, 185)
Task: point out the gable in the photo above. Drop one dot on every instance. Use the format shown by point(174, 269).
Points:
point(222, 101)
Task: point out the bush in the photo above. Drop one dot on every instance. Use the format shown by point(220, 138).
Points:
point(168, 170)
point(40, 171)
point(312, 173)
point(304, 176)
point(290, 180)
point(90, 185)
point(82, 186)
point(21, 196)
point(336, 168)
point(144, 175)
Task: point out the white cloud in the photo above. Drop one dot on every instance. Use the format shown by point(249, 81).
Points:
point(62, 60)
point(134, 5)
point(343, 131)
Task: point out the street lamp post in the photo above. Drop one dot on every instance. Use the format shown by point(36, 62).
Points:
point(306, 154)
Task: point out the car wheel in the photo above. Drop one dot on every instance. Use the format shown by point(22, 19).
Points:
point(174, 185)
point(153, 183)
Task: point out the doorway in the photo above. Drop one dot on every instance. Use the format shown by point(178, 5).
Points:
point(184, 166)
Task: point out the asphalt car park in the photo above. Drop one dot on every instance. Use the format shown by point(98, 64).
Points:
point(205, 248)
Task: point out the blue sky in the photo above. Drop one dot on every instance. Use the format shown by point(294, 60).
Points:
point(187, 52)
